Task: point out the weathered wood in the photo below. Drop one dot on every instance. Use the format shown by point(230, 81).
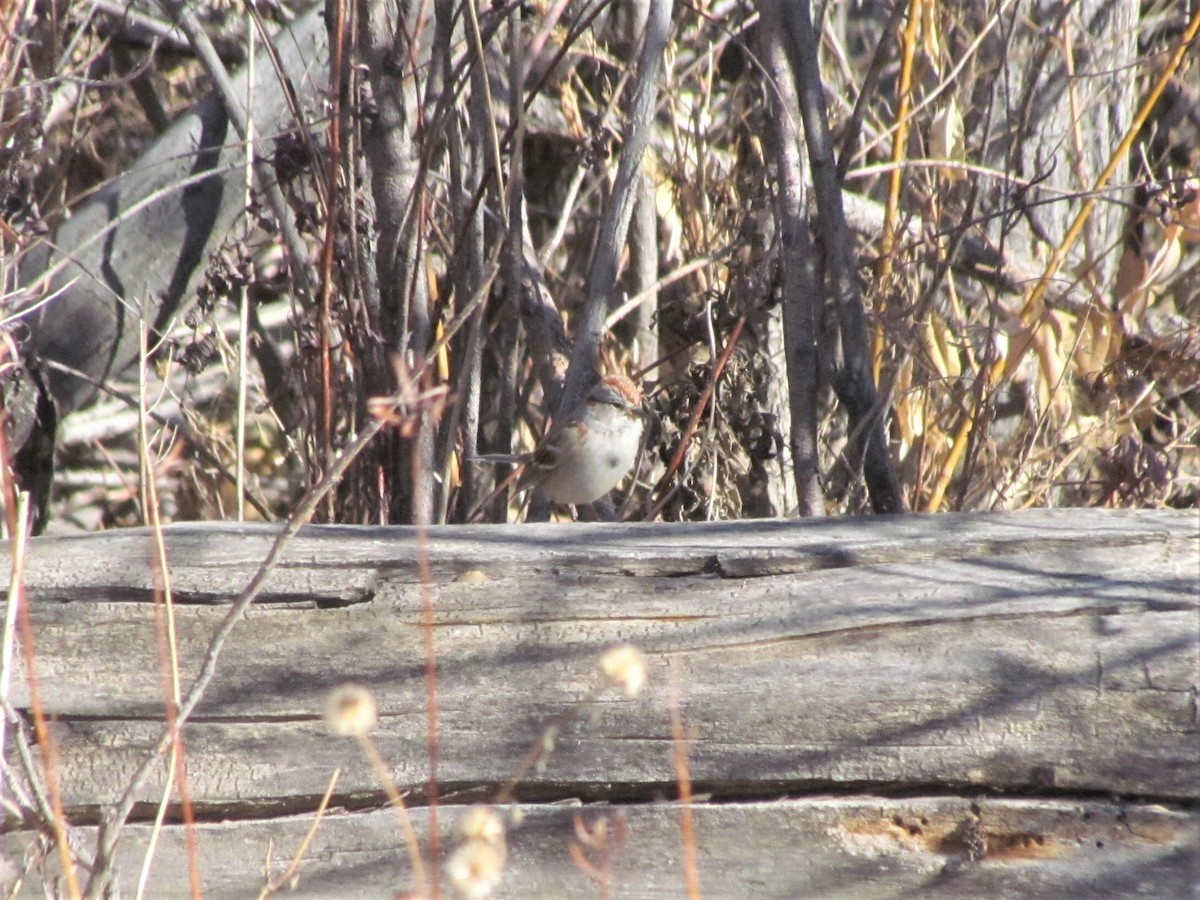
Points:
point(824, 847)
point(1041, 654)
point(213, 560)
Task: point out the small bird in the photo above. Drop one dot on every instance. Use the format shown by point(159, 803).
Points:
point(582, 457)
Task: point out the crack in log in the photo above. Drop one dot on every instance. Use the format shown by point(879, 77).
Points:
point(584, 794)
point(126, 594)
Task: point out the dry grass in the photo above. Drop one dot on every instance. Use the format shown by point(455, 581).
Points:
point(1089, 399)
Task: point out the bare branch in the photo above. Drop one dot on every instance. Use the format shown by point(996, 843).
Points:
point(603, 274)
point(801, 298)
point(849, 361)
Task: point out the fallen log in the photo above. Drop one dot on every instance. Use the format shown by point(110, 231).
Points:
point(950, 705)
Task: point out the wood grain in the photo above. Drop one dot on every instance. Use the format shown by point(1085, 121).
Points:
point(853, 847)
point(1048, 655)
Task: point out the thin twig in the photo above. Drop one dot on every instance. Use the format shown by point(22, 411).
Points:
point(428, 630)
point(244, 291)
point(849, 361)
point(324, 323)
point(1033, 302)
point(16, 530)
point(18, 545)
point(181, 425)
point(183, 15)
point(168, 641)
point(279, 881)
point(615, 225)
point(651, 291)
point(694, 419)
point(899, 142)
point(39, 802)
point(801, 312)
point(113, 822)
point(683, 778)
point(411, 841)
point(866, 90)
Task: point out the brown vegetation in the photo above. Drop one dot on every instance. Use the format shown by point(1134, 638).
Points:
point(1018, 363)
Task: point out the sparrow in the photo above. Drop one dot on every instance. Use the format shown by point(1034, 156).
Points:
point(583, 456)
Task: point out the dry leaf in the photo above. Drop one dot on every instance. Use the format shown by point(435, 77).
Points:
point(946, 140)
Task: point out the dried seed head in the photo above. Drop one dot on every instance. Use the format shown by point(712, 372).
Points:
point(474, 869)
point(350, 711)
point(483, 824)
point(624, 666)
